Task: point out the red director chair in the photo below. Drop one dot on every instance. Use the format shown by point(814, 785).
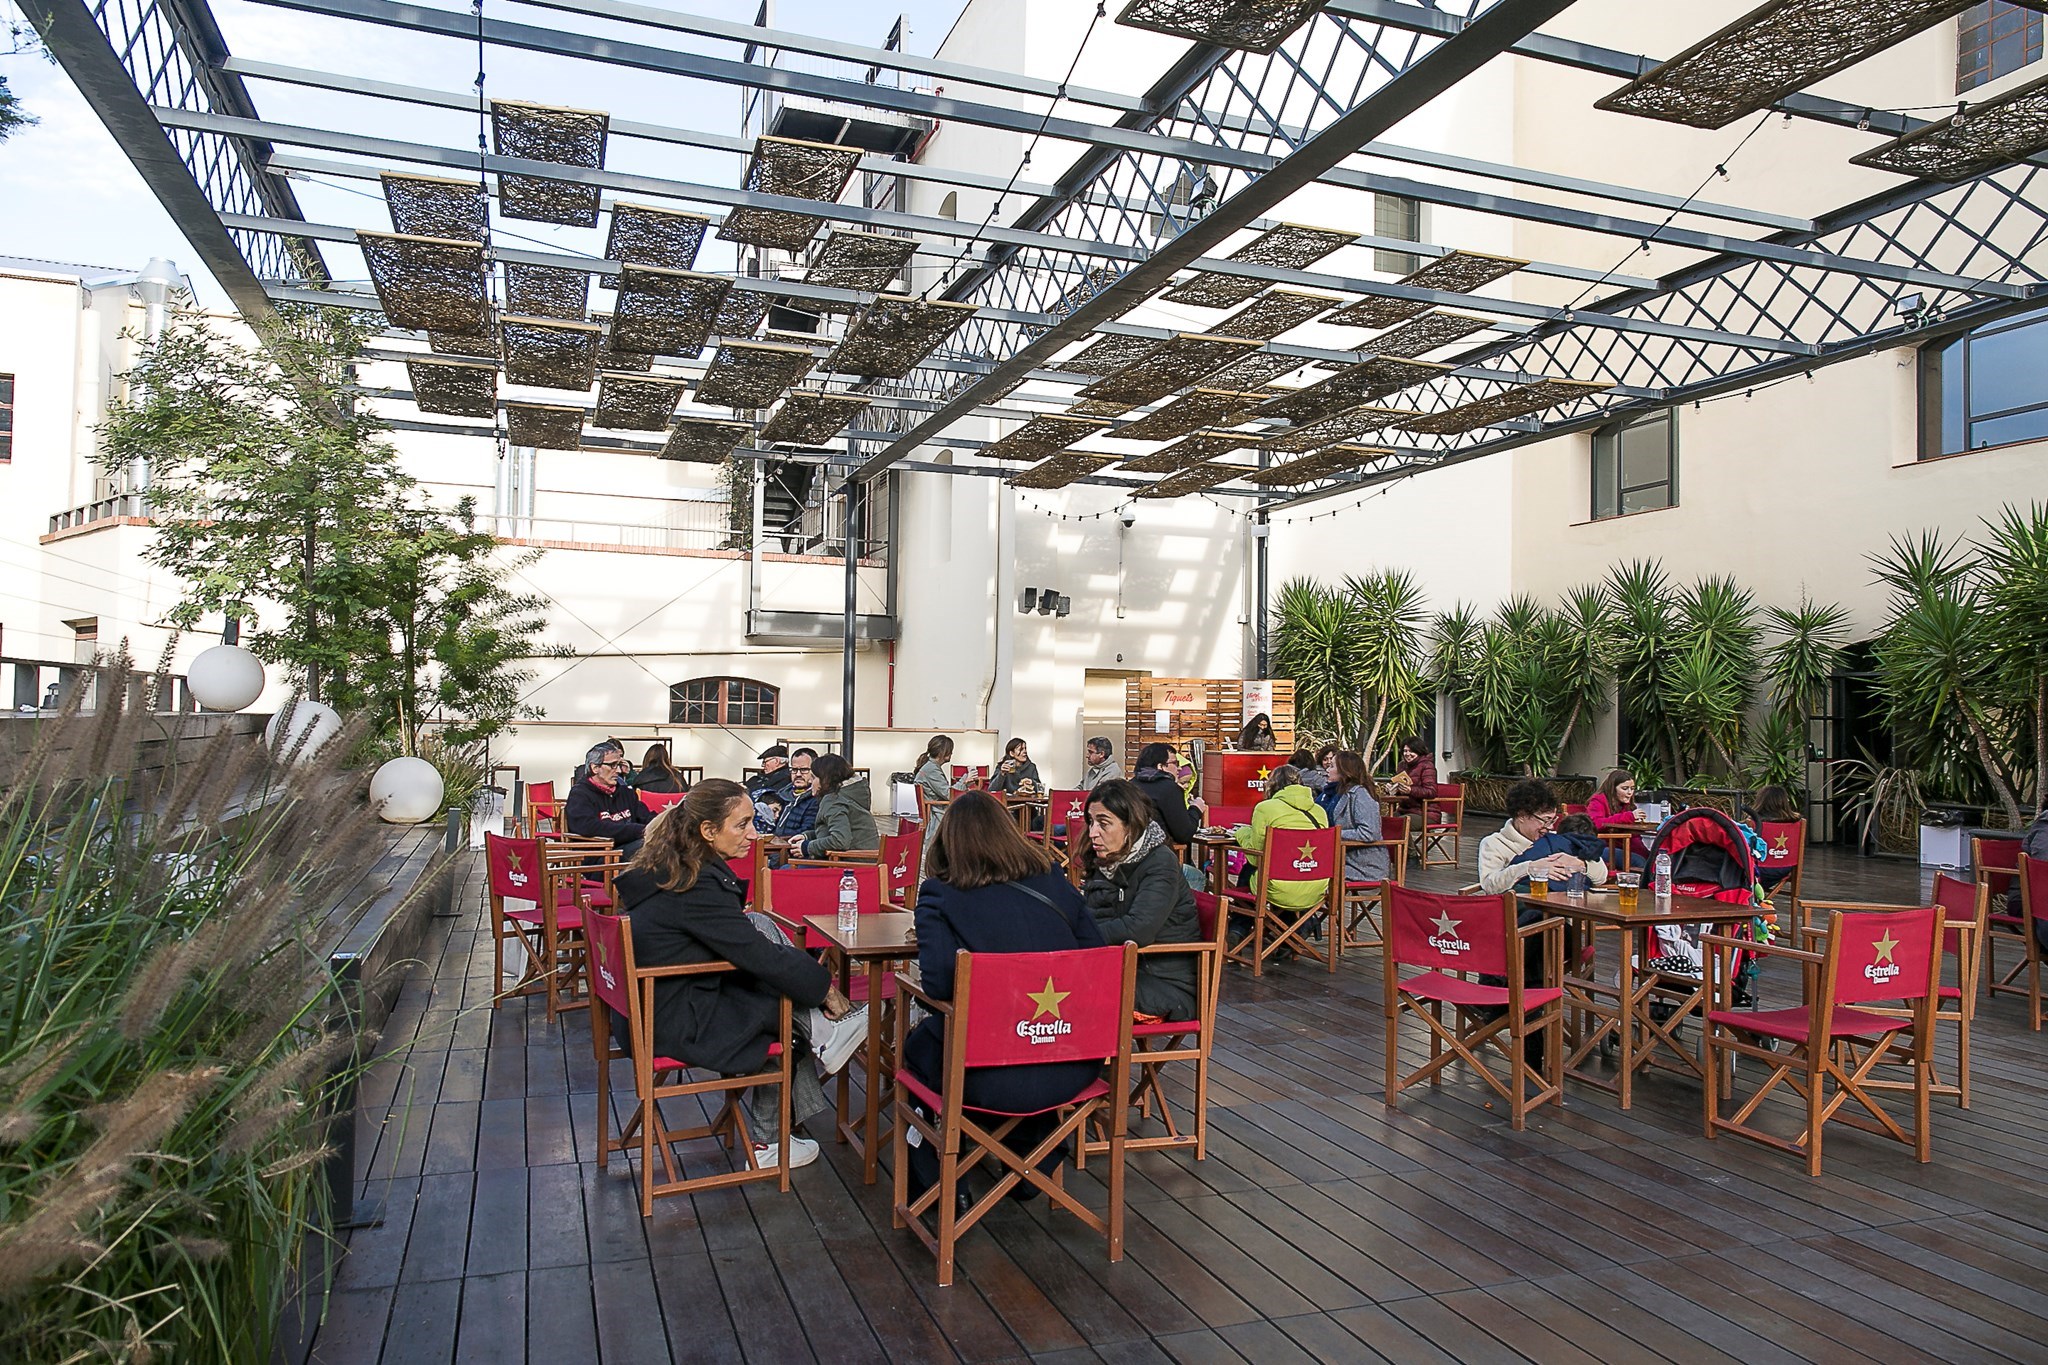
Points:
point(1830, 1046)
point(902, 866)
point(1998, 870)
point(625, 992)
point(1457, 938)
point(1442, 820)
point(538, 893)
point(1292, 856)
point(1365, 903)
point(1012, 1009)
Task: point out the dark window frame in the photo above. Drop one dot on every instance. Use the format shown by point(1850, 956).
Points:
point(1945, 375)
point(724, 699)
point(1607, 448)
point(1995, 39)
point(6, 419)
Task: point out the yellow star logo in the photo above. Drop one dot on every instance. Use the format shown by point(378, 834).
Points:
point(1884, 946)
point(1783, 847)
point(1447, 926)
point(1308, 853)
point(513, 860)
point(1265, 773)
point(1047, 1000)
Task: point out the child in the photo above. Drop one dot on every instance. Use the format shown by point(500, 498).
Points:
point(1574, 834)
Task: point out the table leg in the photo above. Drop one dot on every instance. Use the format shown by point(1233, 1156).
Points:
point(870, 1146)
point(1625, 1026)
point(844, 1096)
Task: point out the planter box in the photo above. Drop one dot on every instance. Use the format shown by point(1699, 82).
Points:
point(1487, 793)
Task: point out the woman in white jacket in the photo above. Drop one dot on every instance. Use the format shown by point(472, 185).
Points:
point(1532, 811)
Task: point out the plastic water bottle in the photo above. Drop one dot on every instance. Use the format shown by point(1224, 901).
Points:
point(1663, 879)
point(849, 905)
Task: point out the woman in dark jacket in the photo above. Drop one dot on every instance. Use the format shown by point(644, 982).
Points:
point(1258, 736)
point(991, 890)
point(1136, 892)
point(1415, 784)
point(1170, 805)
point(1017, 774)
point(844, 821)
point(687, 907)
point(658, 774)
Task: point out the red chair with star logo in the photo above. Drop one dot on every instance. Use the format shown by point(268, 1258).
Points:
point(1012, 1009)
point(1827, 1050)
point(1442, 820)
point(1365, 903)
point(1784, 859)
point(1997, 861)
point(902, 866)
point(660, 801)
point(1291, 857)
point(624, 996)
point(538, 890)
point(1455, 939)
point(1066, 829)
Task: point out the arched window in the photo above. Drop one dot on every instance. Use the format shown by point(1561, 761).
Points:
point(949, 207)
point(723, 701)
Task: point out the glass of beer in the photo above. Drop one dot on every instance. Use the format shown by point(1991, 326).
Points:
point(1539, 887)
point(1626, 886)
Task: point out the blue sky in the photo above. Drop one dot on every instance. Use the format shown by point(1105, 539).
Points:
point(72, 196)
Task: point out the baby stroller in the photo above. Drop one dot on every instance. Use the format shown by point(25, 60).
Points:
point(1713, 858)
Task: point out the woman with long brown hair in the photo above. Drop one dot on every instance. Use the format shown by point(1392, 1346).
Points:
point(1353, 805)
point(688, 907)
point(1136, 891)
point(659, 774)
point(989, 889)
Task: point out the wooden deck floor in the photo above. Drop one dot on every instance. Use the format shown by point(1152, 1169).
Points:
point(1322, 1227)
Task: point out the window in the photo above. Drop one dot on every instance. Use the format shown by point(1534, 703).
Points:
point(1994, 40)
point(722, 701)
point(949, 207)
point(1401, 219)
point(6, 418)
point(1988, 388)
point(1635, 467)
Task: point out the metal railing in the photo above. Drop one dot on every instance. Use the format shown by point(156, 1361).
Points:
point(41, 686)
point(106, 509)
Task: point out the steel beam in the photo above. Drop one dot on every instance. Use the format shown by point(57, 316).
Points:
point(1484, 38)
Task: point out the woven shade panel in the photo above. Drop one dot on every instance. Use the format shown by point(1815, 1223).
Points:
point(1196, 449)
point(629, 402)
point(665, 312)
point(1250, 25)
point(1043, 435)
point(1290, 246)
point(483, 347)
point(432, 206)
point(1274, 312)
point(1089, 285)
point(610, 357)
point(546, 291)
point(861, 260)
point(1458, 272)
point(748, 374)
point(807, 418)
point(456, 388)
point(798, 170)
point(1425, 334)
point(1323, 464)
point(1169, 365)
point(544, 426)
point(1106, 354)
point(1772, 51)
point(549, 354)
point(1060, 470)
point(2010, 128)
point(643, 235)
point(1343, 427)
point(428, 284)
point(1192, 480)
point(1190, 412)
point(890, 336)
point(1376, 312)
point(544, 132)
point(1361, 383)
point(702, 440)
point(741, 313)
point(1253, 371)
point(1519, 401)
point(1096, 407)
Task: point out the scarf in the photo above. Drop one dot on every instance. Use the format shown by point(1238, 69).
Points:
point(1152, 838)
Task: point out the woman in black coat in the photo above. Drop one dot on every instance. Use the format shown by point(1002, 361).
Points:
point(687, 907)
point(991, 890)
point(1170, 805)
point(1137, 893)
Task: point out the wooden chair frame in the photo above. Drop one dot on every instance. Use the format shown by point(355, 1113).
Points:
point(1471, 1028)
point(567, 866)
point(1362, 899)
point(1429, 836)
point(2006, 924)
point(2032, 911)
point(1290, 926)
point(644, 1130)
point(953, 1127)
point(1823, 1061)
point(1789, 888)
point(547, 808)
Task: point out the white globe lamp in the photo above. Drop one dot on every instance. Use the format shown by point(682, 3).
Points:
point(225, 678)
point(302, 728)
point(406, 791)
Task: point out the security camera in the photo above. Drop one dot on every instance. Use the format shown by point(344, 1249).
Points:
point(1129, 520)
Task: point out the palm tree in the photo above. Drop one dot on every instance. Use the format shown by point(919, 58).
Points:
point(1389, 673)
point(1318, 637)
point(1645, 632)
point(2014, 561)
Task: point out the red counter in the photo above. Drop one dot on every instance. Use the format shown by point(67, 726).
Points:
point(1232, 783)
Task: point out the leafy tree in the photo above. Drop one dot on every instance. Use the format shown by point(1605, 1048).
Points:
point(278, 502)
point(13, 118)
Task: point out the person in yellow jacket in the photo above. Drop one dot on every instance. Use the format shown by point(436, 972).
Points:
point(1288, 805)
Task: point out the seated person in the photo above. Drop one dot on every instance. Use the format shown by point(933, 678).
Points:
point(772, 788)
point(1532, 813)
point(1311, 769)
point(1179, 814)
point(1288, 805)
point(1017, 774)
point(845, 822)
point(1354, 808)
point(658, 775)
point(801, 812)
point(1135, 890)
point(600, 806)
point(1573, 835)
point(991, 890)
point(1773, 805)
point(687, 907)
point(1101, 767)
point(1614, 807)
point(1412, 787)
point(2034, 844)
point(934, 775)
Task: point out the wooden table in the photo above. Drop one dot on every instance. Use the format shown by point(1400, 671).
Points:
point(877, 943)
point(1213, 847)
point(1621, 1011)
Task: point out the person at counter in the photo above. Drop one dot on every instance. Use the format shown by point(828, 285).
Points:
point(1258, 736)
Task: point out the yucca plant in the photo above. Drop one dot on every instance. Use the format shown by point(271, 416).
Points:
point(164, 1035)
point(1389, 673)
point(1318, 639)
point(2014, 557)
point(1645, 633)
point(1580, 651)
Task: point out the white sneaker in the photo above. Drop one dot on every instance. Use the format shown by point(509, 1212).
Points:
point(839, 1039)
point(802, 1152)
